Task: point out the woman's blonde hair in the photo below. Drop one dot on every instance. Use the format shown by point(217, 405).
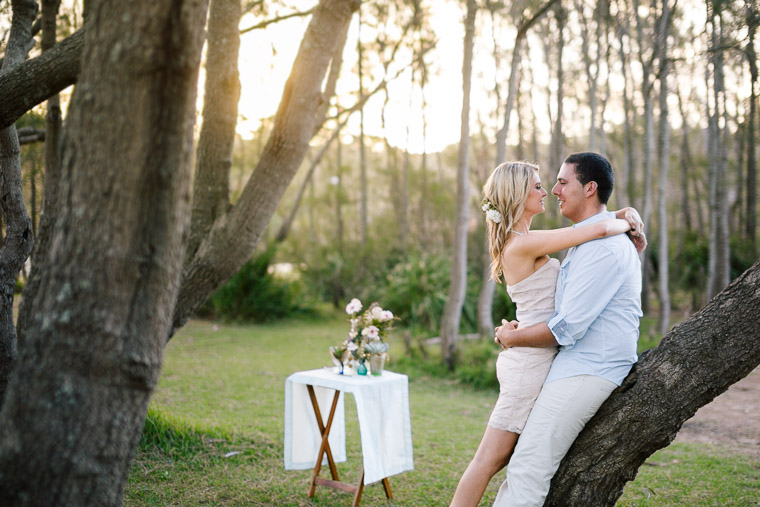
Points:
point(507, 191)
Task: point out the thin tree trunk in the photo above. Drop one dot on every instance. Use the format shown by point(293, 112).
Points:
point(486, 294)
point(75, 407)
point(664, 163)
point(235, 235)
point(686, 163)
point(694, 363)
point(753, 19)
point(211, 185)
point(557, 139)
point(718, 267)
point(18, 240)
point(627, 183)
point(452, 312)
point(363, 185)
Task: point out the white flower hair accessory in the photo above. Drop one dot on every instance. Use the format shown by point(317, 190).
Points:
point(490, 210)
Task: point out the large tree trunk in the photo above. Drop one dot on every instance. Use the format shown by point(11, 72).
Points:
point(18, 239)
point(452, 311)
point(234, 235)
point(211, 186)
point(663, 140)
point(76, 403)
point(698, 360)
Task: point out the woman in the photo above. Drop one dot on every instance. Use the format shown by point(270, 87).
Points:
point(512, 197)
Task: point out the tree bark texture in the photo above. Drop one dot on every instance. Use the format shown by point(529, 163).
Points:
point(698, 360)
point(35, 80)
point(452, 311)
point(74, 409)
point(234, 235)
point(18, 239)
point(211, 188)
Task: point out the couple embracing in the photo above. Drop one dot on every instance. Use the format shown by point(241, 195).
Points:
point(578, 322)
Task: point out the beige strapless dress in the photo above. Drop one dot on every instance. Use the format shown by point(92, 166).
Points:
point(522, 370)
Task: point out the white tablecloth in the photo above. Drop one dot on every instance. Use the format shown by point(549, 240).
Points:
point(382, 406)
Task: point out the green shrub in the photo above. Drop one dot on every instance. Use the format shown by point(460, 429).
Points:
point(256, 295)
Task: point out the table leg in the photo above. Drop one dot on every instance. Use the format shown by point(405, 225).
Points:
point(359, 490)
point(387, 488)
point(325, 431)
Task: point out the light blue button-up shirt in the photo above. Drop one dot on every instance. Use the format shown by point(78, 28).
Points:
point(598, 307)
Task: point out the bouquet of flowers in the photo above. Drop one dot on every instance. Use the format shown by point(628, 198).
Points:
point(366, 339)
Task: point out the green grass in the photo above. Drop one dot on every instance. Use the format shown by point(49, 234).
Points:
point(214, 434)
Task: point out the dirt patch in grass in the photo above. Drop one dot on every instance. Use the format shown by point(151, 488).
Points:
point(732, 420)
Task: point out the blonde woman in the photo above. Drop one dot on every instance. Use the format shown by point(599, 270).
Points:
point(512, 197)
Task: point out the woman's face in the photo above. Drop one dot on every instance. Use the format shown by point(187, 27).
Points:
point(535, 203)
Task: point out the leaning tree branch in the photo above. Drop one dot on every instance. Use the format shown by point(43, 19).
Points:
point(34, 81)
point(695, 362)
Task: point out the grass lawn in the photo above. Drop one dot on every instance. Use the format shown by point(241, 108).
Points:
point(214, 434)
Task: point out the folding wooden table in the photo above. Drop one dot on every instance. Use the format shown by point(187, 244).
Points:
point(387, 394)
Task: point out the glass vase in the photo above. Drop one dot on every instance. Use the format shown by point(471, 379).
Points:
point(377, 364)
point(361, 368)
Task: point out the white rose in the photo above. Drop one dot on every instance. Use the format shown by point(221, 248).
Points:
point(354, 306)
point(377, 313)
point(371, 332)
point(484, 207)
point(351, 346)
point(494, 215)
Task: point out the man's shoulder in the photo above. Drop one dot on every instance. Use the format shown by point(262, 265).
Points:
point(620, 247)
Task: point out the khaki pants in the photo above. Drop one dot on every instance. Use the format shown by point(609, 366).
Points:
point(561, 411)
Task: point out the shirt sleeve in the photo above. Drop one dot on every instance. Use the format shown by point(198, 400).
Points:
point(593, 278)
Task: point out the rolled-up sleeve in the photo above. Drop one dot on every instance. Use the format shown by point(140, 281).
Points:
point(593, 280)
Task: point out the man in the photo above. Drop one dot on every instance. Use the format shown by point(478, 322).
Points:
point(596, 324)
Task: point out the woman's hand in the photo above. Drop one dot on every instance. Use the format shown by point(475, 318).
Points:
point(503, 331)
point(639, 241)
point(634, 219)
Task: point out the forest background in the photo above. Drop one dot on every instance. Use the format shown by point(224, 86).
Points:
point(668, 97)
point(385, 202)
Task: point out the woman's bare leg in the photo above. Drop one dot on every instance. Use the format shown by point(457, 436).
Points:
point(492, 455)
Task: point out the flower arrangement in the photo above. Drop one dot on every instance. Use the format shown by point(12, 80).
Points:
point(366, 338)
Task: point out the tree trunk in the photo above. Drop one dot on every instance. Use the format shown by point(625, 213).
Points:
point(663, 163)
point(753, 19)
point(718, 267)
point(234, 236)
point(75, 407)
point(558, 143)
point(363, 185)
point(18, 239)
point(698, 360)
point(627, 180)
point(452, 312)
point(211, 185)
point(486, 294)
point(686, 164)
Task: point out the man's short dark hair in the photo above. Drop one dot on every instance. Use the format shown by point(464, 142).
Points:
point(591, 166)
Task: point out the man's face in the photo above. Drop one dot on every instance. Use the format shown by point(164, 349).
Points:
point(569, 192)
